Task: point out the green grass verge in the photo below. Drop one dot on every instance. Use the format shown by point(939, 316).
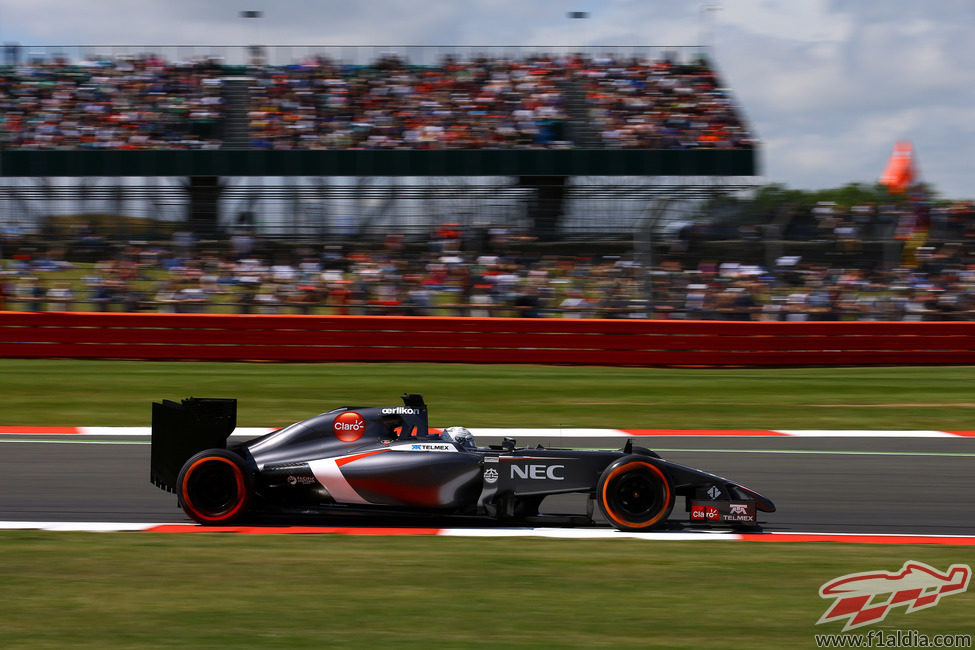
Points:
point(212, 590)
point(69, 393)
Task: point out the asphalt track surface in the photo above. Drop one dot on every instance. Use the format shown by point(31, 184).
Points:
point(843, 485)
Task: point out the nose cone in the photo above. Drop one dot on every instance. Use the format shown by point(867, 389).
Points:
point(762, 503)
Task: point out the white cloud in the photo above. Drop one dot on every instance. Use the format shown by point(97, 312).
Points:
point(811, 21)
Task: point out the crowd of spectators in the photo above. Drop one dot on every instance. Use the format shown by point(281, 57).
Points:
point(476, 104)
point(130, 103)
point(139, 102)
point(661, 105)
point(927, 281)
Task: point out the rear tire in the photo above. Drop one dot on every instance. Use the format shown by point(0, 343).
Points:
point(214, 487)
point(634, 494)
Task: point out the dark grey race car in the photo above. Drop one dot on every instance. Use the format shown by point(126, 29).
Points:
point(386, 461)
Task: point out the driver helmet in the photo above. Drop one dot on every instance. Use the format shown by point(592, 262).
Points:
point(461, 436)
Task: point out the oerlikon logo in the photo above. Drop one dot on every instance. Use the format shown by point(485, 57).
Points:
point(349, 426)
point(866, 598)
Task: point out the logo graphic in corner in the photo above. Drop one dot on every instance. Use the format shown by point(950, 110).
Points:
point(490, 475)
point(916, 586)
point(349, 426)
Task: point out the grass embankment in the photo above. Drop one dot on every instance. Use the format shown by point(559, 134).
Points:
point(145, 590)
point(73, 393)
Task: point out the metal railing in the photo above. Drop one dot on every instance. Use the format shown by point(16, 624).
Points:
point(329, 208)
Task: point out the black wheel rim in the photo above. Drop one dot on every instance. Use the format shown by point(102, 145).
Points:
point(637, 496)
point(213, 488)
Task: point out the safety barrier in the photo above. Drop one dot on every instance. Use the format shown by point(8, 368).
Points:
point(481, 340)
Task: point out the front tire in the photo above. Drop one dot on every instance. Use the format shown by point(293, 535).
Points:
point(214, 487)
point(634, 494)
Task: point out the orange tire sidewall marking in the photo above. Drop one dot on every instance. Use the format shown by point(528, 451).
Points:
point(241, 488)
point(623, 469)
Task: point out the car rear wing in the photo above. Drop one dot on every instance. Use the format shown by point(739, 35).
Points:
point(182, 430)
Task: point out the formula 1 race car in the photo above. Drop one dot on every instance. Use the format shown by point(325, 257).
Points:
point(386, 461)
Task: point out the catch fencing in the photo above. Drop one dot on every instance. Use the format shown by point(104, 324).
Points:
point(481, 340)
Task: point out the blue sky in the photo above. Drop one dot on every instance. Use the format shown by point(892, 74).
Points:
point(828, 85)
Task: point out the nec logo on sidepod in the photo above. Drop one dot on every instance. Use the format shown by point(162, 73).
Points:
point(917, 586)
point(539, 472)
point(349, 426)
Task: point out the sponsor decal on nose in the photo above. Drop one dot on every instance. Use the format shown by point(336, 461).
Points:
point(349, 426)
point(705, 513)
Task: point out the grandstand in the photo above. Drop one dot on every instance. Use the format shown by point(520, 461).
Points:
point(343, 142)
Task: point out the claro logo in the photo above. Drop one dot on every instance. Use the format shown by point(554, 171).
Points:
point(349, 426)
point(704, 513)
point(539, 472)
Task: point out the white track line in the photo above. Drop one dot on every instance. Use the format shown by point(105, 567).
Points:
point(813, 433)
point(552, 533)
point(76, 526)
